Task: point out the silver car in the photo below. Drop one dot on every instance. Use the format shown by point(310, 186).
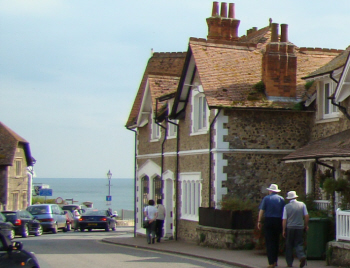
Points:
point(51, 217)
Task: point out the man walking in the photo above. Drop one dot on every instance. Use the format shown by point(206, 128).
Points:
point(295, 220)
point(160, 219)
point(272, 206)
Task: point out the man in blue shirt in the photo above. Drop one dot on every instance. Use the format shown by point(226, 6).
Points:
point(272, 207)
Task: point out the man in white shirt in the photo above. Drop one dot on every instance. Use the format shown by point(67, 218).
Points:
point(160, 219)
point(295, 220)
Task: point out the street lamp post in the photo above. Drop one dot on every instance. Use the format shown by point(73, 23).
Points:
point(109, 197)
point(30, 182)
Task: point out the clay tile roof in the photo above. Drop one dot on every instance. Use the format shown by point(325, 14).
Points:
point(229, 71)
point(168, 64)
point(8, 144)
point(160, 86)
point(332, 65)
point(337, 145)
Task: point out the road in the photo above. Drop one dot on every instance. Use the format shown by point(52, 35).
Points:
point(85, 250)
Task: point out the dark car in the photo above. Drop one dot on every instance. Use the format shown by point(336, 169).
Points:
point(97, 219)
point(6, 228)
point(13, 255)
point(50, 216)
point(70, 219)
point(23, 222)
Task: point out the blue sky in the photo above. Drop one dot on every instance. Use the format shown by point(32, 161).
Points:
point(69, 70)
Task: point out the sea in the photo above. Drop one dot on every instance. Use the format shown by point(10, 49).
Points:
point(93, 190)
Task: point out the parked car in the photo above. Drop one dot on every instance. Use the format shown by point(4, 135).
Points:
point(73, 207)
point(23, 222)
point(13, 255)
point(97, 219)
point(51, 217)
point(70, 219)
point(6, 228)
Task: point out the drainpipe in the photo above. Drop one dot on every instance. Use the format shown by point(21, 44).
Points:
point(341, 108)
point(177, 175)
point(210, 154)
point(135, 213)
point(163, 142)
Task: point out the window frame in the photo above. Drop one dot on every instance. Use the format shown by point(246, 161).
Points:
point(191, 198)
point(327, 110)
point(155, 130)
point(18, 167)
point(172, 128)
point(200, 112)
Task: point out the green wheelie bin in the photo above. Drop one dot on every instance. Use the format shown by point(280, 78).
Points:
point(317, 238)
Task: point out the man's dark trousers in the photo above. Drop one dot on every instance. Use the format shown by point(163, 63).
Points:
point(273, 231)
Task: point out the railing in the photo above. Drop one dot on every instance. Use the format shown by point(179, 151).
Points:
point(322, 204)
point(343, 225)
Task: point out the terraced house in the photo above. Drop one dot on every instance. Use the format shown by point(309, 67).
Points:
point(218, 119)
point(15, 157)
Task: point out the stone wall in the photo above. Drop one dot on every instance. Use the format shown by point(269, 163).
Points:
point(224, 238)
point(263, 134)
point(338, 254)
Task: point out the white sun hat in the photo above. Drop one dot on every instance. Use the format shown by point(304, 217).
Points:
point(273, 188)
point(291, 195)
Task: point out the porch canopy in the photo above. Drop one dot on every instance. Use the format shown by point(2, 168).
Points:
point(335, 147)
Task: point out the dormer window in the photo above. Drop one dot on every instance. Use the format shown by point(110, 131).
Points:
point(155, 135)
point(172, 128)
point(326, 109)
point(199, 113)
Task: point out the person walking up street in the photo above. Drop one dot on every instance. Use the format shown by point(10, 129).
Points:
point(150, 212)
point(295, 220)
point(272, 208)
point(160, 219)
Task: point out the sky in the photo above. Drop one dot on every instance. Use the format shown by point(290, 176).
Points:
point(70, 69)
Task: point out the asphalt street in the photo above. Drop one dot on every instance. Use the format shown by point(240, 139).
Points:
point(85, 249)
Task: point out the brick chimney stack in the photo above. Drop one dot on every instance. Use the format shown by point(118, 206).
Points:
point(221, 27)
point(279, 66)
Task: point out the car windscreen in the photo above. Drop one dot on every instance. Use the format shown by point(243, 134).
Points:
point(95, 213)
point(10, 216)
point(37, 210)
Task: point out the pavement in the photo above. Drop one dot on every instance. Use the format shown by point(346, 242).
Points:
point(240, 258)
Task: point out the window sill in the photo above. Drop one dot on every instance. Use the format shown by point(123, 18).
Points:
point(189, 217)
point(171, 137)
point(327, 120)
point(154, 140)
point(201, 132)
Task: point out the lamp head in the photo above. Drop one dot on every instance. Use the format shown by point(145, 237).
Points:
point(109, 174)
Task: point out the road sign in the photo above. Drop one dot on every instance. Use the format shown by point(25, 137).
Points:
point(108, 198)
point(45, 192)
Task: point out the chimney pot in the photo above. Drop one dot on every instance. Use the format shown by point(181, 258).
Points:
point(274, 32)
point(231, 11)
point(215, 11)
point(223, 10)
point(284, 32)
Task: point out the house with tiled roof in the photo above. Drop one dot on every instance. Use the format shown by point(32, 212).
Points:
point(223, 131)
point(326, 156)
point(15, 157)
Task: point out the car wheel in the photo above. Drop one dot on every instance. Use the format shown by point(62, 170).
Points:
point(12, 234)
point(90, 230)
point(69, 227)
point(39, 232)
point(82, 230)
point(55, 229)
point(25, 232)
